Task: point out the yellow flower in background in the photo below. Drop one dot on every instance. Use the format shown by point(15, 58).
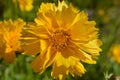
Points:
point(101, 12)
point(10, 35)
point(104, 17)
point(25, 5)
point(115, 53)
point(64, 38)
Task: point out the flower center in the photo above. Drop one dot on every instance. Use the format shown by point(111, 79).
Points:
point(60, 40)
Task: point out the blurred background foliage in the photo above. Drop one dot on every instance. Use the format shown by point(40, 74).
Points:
point(106, 13)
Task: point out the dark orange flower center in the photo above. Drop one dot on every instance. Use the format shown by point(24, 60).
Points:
point(60, 40)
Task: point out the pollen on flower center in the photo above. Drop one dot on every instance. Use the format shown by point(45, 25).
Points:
point(60, 39)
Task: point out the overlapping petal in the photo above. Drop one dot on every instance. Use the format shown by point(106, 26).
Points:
point(44, 60)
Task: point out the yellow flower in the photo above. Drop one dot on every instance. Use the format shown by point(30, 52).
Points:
point(10, 37)
point(64, 38)
point(25, 5)
point(115, 53)
point(101, 12)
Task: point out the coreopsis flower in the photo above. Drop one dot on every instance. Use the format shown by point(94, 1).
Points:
point(101, 12)
point(10, 35)
point(115, 53)
point(104, 17)
point(62, 37)
point(25, 5)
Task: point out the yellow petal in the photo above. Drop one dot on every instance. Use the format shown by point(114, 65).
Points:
point(9, 57)
point(87, 58)
point(72, 51)
point(61, 5)
point(81, 29)
point(78, 69)
point(47, 7)
point(36, 64)
point(44, 60)
point(59, 71)
point(94, 50)
point(92, 31)
point(67, 14)
point(68, 52)
point(81, 17)
point(82, 55)
point(46, 16)
point(79, 32)
point(67, 62)
point(35, 48)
